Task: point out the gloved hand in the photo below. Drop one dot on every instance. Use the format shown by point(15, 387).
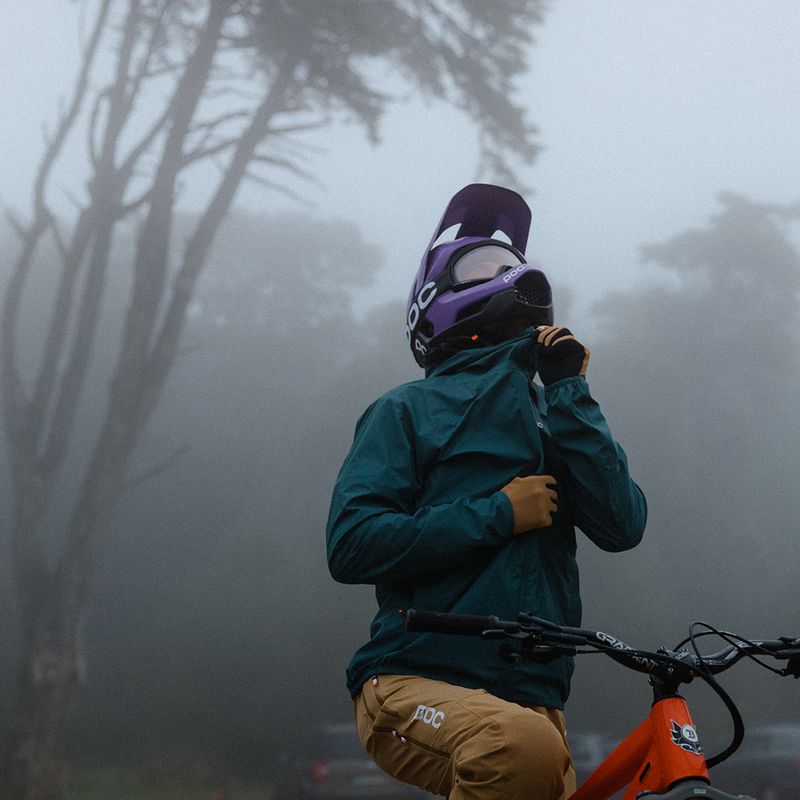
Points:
point(559, 354)
point(533, 501)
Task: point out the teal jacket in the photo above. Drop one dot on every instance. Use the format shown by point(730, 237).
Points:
point(418, 512)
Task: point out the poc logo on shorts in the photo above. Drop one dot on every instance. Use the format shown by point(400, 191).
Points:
point(430, 716)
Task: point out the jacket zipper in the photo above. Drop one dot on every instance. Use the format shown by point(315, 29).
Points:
point(532, 399)
point(528, 552)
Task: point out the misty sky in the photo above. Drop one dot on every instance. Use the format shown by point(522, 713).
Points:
point(646, 111)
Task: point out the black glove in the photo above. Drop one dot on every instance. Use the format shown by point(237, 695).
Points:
point(559, 354)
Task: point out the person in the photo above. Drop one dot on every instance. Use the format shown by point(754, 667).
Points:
point(461, 493)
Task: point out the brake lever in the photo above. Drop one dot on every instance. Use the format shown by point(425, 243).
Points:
point(538, 654)
point(495, 633)
point(792, 654)
point(793, 667)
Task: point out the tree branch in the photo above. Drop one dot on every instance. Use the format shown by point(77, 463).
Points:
point(153, 244)
point(210, 125)
point(124, 417)
point(74, 375)
point(119, 104)
point(58, 238)
point(20, 436)
point(129, 207)
point(289, 166)
point(207, 152)
point(26, 549)
point(67, 121)
point(62, 389)
point(163, 352)
point(278, 130)
point(55, 340)
point(15, 222)
point(156, 469)
point(281, 188)
point(143, 70)
point(15, 402)
point(125, 170)
point(91, 129)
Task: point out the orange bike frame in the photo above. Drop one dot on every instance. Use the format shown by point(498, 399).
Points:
point(663, 750)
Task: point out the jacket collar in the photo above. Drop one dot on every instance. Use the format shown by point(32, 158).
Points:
point(481, 359)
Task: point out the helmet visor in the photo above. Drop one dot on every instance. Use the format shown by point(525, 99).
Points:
point(483, 263)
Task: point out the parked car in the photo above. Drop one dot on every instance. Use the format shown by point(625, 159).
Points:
point(766, 766)
point(588, 749)
point(339, 769)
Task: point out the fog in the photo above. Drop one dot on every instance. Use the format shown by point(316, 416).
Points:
point(645, 112)
point(666, 214)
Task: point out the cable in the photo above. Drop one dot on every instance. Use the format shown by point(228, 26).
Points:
point(734, 640)
point(703, 672)
point(682, 642)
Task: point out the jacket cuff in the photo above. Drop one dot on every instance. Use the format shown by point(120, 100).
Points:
point(502, 517)
point(574, 383)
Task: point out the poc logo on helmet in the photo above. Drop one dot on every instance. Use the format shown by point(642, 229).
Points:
point(430, 716)
point(514, 272)
point(424, 298)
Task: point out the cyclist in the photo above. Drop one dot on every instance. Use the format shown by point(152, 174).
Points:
point(460, 493)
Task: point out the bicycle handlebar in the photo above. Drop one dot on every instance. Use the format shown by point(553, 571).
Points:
point(540, 639)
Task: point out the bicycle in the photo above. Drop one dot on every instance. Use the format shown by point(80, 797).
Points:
point(662, 759)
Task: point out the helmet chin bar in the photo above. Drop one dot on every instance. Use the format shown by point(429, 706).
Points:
point(505, 308)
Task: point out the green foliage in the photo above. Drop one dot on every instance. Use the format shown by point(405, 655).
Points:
point(283, 274)
point(465, 52)
point(702, 336)
point(735, 276)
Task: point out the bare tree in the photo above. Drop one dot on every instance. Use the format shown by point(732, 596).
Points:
point(241, 80)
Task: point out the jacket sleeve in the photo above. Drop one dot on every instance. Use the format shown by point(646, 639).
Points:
point(605, 502)
point(376, 533)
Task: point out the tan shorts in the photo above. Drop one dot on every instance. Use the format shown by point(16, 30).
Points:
point(463, 743)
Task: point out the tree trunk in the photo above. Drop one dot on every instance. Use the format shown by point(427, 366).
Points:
point(50, 677)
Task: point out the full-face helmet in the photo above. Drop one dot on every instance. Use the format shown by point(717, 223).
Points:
point(479, 280)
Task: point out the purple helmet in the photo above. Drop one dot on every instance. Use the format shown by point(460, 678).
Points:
point(465, 285)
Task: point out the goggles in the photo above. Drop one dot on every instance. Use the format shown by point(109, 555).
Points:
point(482, 263)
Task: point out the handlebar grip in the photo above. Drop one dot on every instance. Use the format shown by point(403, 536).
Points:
point(441, 622)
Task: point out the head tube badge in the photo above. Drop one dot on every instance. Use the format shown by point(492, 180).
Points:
point(685, 737)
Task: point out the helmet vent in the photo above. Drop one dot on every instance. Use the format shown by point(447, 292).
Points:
point(532, 289)
point(472, 309)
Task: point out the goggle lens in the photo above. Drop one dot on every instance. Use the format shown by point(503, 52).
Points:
point(483, 263)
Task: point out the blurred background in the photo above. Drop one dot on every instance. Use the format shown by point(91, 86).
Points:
point(214, 213)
